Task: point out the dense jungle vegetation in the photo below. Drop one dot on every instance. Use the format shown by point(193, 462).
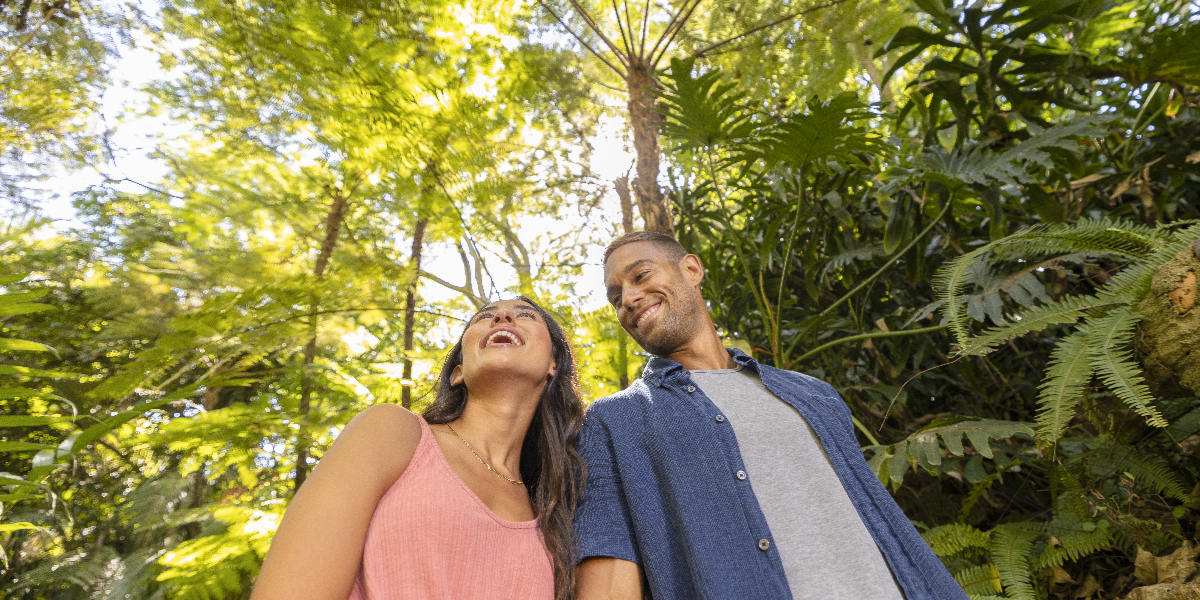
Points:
point(975, 219)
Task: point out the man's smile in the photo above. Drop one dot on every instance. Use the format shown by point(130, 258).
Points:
point(646, 314)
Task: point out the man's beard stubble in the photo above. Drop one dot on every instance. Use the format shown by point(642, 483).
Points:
point(675, 327)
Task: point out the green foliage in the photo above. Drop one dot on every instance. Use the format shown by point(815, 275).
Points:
point(921, 449)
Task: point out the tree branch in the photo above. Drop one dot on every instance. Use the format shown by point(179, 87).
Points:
point(701, 53)
point(868, 336)
point(580, 40)
point(476, 300)
point(670, 24)
point(587, 18)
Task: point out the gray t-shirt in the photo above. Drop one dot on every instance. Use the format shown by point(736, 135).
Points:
point(827, 551)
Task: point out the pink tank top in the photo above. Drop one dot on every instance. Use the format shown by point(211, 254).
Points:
point(432, 538)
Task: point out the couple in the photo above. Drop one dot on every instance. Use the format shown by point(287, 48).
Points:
point(710, 477)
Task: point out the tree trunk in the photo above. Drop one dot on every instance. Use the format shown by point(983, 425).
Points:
point(645, 121)
point(410, 311)
point(622, 186)
point(1172, 326)
point(333, 224)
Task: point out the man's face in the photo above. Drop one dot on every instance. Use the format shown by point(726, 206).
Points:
point(657, 301)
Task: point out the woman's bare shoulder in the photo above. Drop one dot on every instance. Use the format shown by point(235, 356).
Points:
point(381, 440)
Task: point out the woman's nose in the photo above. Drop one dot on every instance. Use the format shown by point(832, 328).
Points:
point(502, 316)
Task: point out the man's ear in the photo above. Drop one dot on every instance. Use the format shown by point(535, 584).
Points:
point(456, 376)
point(692, 269)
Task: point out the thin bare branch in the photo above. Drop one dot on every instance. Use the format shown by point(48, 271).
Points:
point(621, 27)
point(468, 292)
point(679, 27)
point(580, 40)
point(670, 26)
point(798, 13)
point(645, 30)
point(587, 18)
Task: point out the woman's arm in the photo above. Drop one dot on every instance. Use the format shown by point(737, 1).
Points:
point(318, 548)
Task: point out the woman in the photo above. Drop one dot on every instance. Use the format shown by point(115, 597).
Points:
point(473, 501)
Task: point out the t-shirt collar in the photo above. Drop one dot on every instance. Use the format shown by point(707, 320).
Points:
point(659, 370)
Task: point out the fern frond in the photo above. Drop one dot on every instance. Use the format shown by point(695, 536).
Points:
point(1069, 373)
point(950, 282)
point(1108, 340)
point(1074, 546)
point(1101, 236)
point(1150, 471)
point(1067, 310)
point(951, 540)
point(1011, 546)
point(983, 580)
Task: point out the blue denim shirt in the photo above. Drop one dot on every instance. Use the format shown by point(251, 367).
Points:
point(662, 491)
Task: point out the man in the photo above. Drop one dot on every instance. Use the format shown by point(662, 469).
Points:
point(716, 477)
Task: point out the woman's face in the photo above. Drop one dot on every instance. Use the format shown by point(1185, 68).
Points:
point(506, 342)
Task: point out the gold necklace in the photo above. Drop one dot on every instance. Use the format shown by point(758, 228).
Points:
point(485, 463)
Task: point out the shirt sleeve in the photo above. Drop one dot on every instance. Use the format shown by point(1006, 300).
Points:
point(602, 521)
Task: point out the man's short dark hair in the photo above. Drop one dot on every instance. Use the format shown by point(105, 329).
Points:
point(665, 244)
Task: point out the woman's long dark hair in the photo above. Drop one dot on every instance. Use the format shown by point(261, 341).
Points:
point(550, 465)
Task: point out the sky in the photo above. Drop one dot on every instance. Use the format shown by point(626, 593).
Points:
point(135, 136)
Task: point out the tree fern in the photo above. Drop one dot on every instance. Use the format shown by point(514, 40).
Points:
point(1108, 341)
point(1011, 546)
point(1069, 373)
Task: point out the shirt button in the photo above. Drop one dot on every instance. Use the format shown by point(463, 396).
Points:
point(691, 388)
point(720, 418)
point(764, 544)
point(741, 475)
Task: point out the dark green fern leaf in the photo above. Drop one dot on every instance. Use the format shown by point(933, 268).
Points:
point(1069, 373)
point(949, 541)
point(1067, 310)
point(1108, 340)
point(983, 580)
point(1011, 546)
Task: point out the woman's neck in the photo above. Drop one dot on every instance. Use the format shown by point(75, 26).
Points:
point(495, 424)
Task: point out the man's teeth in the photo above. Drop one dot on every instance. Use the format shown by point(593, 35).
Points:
point(643, 318)
point(504, 338)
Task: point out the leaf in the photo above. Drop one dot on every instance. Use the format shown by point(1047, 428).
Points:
point(1108, 340)
point(23, 447)
point(700, 112)
point(1066, 379)
point(1011, 545)
point(95, 432)
point(983, 580)
point(23, 525)
point(31, 421)
point(1068, 310)
point(9, 344)
point(948, 541)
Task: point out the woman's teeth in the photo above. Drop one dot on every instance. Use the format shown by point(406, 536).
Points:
point(503, 337)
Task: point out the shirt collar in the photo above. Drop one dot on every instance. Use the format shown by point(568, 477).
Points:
point(658, 370)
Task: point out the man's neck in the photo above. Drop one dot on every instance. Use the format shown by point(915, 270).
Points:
point(705, 352)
